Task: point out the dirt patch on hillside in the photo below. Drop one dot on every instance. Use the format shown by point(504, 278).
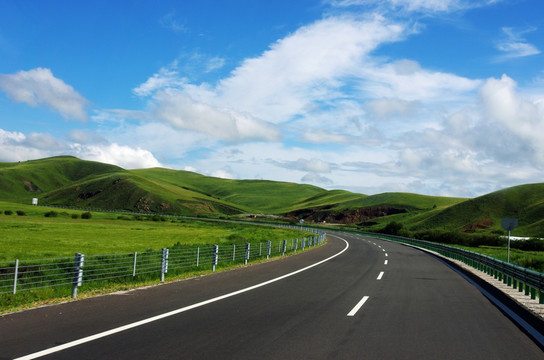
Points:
point(352, 216)
point(479, 225)
point(31, 187)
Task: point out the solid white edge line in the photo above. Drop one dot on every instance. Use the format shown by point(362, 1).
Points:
point(358, 306)
point(171, 313)
point(380, 276)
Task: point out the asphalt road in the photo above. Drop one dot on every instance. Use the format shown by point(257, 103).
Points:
point(373, 300)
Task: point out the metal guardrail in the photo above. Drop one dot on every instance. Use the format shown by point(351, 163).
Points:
point(525, 280)
point(25, 275)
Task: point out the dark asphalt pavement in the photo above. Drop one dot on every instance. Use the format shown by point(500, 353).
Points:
point(417, 308)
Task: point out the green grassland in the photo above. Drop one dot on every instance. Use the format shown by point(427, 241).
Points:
point(34, 236)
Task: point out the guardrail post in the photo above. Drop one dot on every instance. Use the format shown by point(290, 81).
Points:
point(78, 273)
point(246, 258)
point(215, 257)
point(296, 245)
point(268, 249)
point(303, 243)
point(164, 263)
point(134, 264)
point(284, 247)
point(15, 276)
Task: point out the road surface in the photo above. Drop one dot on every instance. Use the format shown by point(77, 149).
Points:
point(355, 297)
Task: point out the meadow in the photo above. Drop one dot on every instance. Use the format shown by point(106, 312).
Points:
point(35, 236)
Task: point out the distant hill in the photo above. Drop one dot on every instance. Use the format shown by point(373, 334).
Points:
point(69, 181)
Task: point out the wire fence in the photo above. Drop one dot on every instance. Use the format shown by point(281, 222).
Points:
point(24, 275)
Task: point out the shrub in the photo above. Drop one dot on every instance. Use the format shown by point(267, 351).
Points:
point(51, 214)
point(75, 216)
point(8, 212)
point(20, 213)
point(86, 215)
point(392, 228)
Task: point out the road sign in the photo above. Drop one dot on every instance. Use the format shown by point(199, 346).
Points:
point(509, 223)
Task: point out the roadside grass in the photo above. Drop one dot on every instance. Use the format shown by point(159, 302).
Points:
point(24, 300)
point(533, 260)
point(35, 236)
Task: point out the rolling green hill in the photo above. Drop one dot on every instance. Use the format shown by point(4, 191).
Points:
point(71, 182)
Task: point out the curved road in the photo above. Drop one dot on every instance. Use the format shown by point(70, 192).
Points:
point(370, 299)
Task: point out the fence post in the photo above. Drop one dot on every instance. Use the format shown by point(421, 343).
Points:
point(78, 273)
point(15, 277)
point(284, 247)
point(247, 253)
point(260, 249)
point(268, 249)
point(197, 255)
point(303, 243)
point(215, 257)
point(164, 263)
point(233, 252)
point(134, 265)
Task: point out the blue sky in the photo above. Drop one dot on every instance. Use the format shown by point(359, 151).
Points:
point(438, 97)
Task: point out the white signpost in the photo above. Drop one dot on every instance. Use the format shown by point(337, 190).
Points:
point(509, 224)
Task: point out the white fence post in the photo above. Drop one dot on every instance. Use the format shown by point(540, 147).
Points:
point(15, 277)
point(78, 273)
point(197, 255)
point(215, 256)
point(164, 263)
point(134, 265)
point(247, 253)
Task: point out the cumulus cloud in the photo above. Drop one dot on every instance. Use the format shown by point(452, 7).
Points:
point(316, 179)
point(38, 87)
point(16, 146)
point(523, 119)
point(124, 156)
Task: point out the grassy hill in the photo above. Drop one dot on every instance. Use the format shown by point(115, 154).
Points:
point(68, 181)
point(524, 202)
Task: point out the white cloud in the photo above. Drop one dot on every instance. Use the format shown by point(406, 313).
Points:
point(405, 80)
point(124, 156)
point(321, 137)
point(514, 45)
point(16, 146)
point(170, 21)
point(182, 112)
point(523, 119)
point(166, 77)
point(387, 108)
point(306, 67)
point(38, 87)
point(426, 6)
